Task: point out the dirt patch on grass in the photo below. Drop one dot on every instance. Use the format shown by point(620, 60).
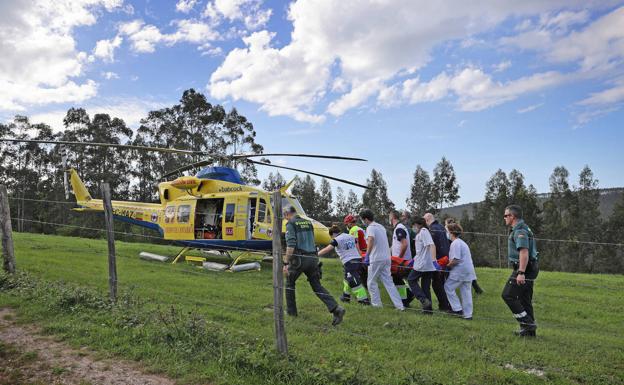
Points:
point(30, 358)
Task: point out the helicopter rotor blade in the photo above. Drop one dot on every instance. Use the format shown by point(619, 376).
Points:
point(111, 145)
point(187, 167)
point(246, 156)
point(309, 172)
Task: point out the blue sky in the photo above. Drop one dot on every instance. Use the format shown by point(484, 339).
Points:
point(491, 84)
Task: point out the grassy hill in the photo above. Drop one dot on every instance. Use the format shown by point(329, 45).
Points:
point(201, 327)
point(609, 197)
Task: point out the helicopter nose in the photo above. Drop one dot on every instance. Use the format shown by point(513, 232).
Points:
point(321, 234)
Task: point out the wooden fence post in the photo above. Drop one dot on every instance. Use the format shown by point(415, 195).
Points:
point(8, 252)
point(278, 276)
point(112, 261)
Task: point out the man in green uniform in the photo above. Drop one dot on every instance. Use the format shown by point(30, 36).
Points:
point(301, 258)
point(523, 256)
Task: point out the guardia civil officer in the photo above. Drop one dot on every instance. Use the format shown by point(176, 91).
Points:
point(301, 258)
point(523, 255)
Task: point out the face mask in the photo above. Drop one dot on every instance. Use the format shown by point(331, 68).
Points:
point(448, 235)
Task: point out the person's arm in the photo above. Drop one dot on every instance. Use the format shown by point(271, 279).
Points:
point(291, 242)
point(521, 240)
point(401, 236)
point(404, 246)
point(522, 265)
point(432, 249)
point(370, 242)
point(289, 252)
point(325, 250)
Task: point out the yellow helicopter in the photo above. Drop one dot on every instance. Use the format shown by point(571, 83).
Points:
point(212, 210)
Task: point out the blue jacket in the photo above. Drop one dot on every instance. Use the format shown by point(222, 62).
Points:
point(442, 243)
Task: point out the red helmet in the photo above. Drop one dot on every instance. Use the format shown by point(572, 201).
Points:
point(349, 219)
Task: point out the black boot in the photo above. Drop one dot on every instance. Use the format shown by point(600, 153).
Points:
point(345, 297)
point(338, 313)
point(476, 287)
point(527, 327)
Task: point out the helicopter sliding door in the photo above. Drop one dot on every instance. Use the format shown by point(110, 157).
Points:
point(263, 219)
point(235, 218)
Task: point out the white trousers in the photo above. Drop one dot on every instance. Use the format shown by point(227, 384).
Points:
point(380, 270)
point(465, 291)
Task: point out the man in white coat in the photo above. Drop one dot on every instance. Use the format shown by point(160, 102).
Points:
point(378, 260)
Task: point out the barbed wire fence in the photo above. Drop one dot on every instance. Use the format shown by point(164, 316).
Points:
point(277, 284)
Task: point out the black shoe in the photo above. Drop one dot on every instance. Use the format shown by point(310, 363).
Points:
point(406, 303)
point(479, 291)
point(458, 312)
point(345, 298)
point(526, 330)
point(467, 318)
point(426, 304)
point(339, 313)
point(364, 302)
point(525, 333)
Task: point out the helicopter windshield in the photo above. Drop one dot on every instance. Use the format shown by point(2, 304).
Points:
point(292, 201)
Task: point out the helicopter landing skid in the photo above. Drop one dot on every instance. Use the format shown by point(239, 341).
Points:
point(234, 259)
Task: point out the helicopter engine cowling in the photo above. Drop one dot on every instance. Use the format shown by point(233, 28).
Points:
point(186, 183)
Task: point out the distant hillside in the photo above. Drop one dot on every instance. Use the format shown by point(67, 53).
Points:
point(608, 199)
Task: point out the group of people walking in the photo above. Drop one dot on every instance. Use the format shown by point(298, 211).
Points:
point(422, 255)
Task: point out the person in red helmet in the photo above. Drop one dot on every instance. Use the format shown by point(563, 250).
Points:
point(356, 232)
point(360, 242)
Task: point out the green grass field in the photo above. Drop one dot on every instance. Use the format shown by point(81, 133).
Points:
point(209, 327)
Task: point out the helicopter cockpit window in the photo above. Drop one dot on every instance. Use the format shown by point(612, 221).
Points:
point(292, 201)
point(262, 210)
point(170, 214)
point(184, 213)
point(229, 212)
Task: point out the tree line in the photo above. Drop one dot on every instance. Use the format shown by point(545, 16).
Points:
point(34, 172)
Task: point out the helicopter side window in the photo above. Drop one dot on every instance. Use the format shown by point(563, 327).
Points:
point(262, 210)
point(184, 213)
point(229, 212)
point(170, 214)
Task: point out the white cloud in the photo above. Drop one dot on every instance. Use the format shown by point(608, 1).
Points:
point(105, 49)
point(612, 95)
point(598, 46)
point(131, 110)
point(358, 94)
point(110, 75)
point(502, 66)
point(587, 116)
point(329, 40)
point(475, 90)
point(145, 37)
point(40, 62)
point(250, 12)
point(530, 108)
point(185, 6)
point(282, 81)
